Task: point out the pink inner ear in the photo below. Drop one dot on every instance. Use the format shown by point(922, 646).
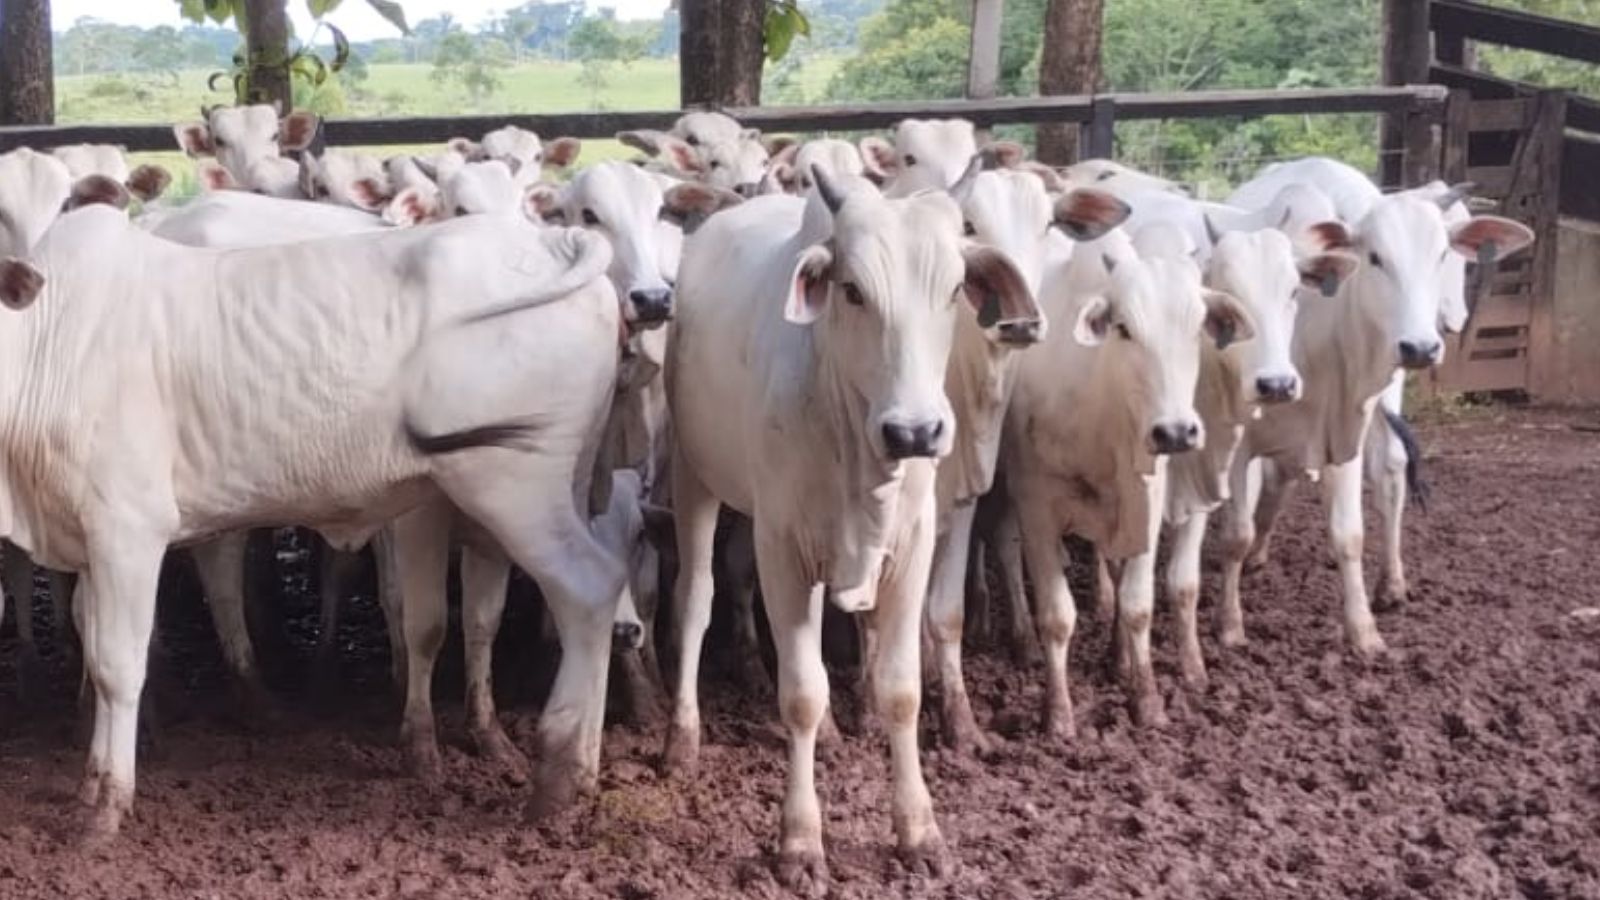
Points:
point(216, 178)
point(197, 140)
point(368, 193)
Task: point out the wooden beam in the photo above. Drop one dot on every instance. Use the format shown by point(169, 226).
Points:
point(1406, 56)
point(1509, 28)
point(1549, 125)
point(1583, 113)
point(983, 54)
point(27, 82)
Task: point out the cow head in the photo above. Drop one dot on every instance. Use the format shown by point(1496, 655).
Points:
point(249, 142)
point(145, 182)
point(1147, 323)
point(789, 170)
point(626, 205)
point(882, 295)
point(1404, 245)
point(34, 188)
point(1452, 202)
point(1117, 178)
point(1261, 271)
point(523, 152)
point(701, 128)
point(737, 165)
point(924, 155)
point(348, 179)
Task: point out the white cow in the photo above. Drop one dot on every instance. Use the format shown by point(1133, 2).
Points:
point(469, 363)
point(790, 169)
point(1095, 413)
point(345, 178)
point(1116, 178)
point(248, 143)
point(1010, 211)
point(709, 147)
point(146, 182)
point(520, 149)
point(924, 154)
point(1385, 317)
point(805, 379)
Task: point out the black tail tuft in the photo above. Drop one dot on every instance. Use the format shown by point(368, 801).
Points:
point(506, 435)
point(1415, 486)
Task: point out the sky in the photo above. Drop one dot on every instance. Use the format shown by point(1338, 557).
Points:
point(354, 17)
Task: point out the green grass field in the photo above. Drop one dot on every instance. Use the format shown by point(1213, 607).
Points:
point(392, 91)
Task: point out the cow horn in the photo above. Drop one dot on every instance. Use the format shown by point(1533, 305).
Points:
point(826, 187)
point(1456, 194)
point(1212, 234)
point(1109, 262)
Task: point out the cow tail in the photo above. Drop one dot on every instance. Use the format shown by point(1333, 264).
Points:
point(1415, 485)
point(505, 435)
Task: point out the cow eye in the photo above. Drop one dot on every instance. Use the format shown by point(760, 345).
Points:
point(589, 218)
point(910, 160)
point(968, 230)
point(1107, 175)
point(852, 294)
point(692, 140)
point(461, 211)
point(219, 142)
point(716, 164)
point(1373, 258)
point(1122, 332)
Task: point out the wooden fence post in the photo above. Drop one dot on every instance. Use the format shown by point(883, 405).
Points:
point(1098, 139)
point(1406, 58)
point(1422, 125)
point(1549, 133)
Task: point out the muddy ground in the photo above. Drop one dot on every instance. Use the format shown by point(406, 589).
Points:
point(1464, 764)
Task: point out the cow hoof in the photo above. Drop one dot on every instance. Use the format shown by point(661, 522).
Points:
point(89, 790)
point(1149, 711)
point(422, 756)
point(1391, 597)
point(1059, 725)
point(1232, 638)
point(1367, 643)
point(491, 743)
point(929, 858)
point(1194, 675)
point(682, 756)
point(963, 736)
point(803, 871)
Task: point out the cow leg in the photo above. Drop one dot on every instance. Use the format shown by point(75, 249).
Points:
point(484, 579)
point(422, 556)
point(1183, 587)
point(1386, 468)
point(1238, 534)
point(1024, 642)
point(896, 675)
point(219, 564)
point(119, 614)
point(1275, 490)
point(1341, 490)
point(794, 610)
point(387, 569)
point(17, 583)
point(739, 556)
point(695, 512)
point(946, 619)
point(1041, 547)
point(1105, 588)
point(335, 569)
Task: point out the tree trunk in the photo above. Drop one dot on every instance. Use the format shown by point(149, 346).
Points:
point(721, 51)
point(983, 54)
point(1068, 64)
point(27, 82)
point(266, 29)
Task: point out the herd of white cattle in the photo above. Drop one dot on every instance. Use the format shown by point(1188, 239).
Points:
point(848, 344)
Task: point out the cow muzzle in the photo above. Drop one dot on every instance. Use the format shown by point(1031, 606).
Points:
point(906, 441)
point(1277, 389)
point(651, 306)
point(1174, 437)
point(1420, 354)
point(627, 636)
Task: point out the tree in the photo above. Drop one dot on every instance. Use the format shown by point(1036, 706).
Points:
point(1069, 63)
point(725, 43)
point(597, 43)
point(472, 63)
point(27, 80)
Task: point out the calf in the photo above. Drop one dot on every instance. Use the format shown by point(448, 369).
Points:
point(249, 143)
point(805, 382)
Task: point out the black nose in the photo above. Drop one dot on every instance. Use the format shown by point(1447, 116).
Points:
point(1419, 354)
point(1021, 332)
point(1277, 388)
point(748, 189)
point(652, 305)
point(1175, 437)
point(906, 441)
point(627, 636)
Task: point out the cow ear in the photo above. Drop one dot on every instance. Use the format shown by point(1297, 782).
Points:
point(92, 189)
point(879, 158)
point(1003, 155)
point(1094, 322)
point(682, 157)
point(1053, 182)
point(781, 147)
point(808, 286)
point(542, 203)
point(412, 206)
point(20, 283)
point(297, 130)
point(147, 182)
point(465, 148)
point(369, 194)
point(1324, 272)
point(645, 141)
point(1226, 320)
point(562, 152)
point(1000, 296)
point(1088, 213)
point(785, 155)
point(213, 177)
point(689, 204)
point(1485, 239)
point(1328, 235)
point(195, 139)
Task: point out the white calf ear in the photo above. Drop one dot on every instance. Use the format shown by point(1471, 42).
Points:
point(20, 283)
point(147, 182)
point(878, 158)
point(92, 189)
point(368, 194)
point(1053, 182)
point(690, 203)
point(1088, 213)
point(1094, 322)
point(297, 129)
point(466, 148)
point(646, 141)
point(781, 149)
point(194, 138)
point(1003, 155)
point(1328, 235)
point(1485, 239)
point(213, 177)
point(1226, 319)
point(1324, 272)
point(542, 203)
point(562, 152)
point(808, 286)
point(1000, 296)
point(412, 206)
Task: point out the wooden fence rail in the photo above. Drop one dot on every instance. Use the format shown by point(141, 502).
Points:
point(1099, 112)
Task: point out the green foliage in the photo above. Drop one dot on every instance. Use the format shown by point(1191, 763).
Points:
point(783, 23)
point(472, 64)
